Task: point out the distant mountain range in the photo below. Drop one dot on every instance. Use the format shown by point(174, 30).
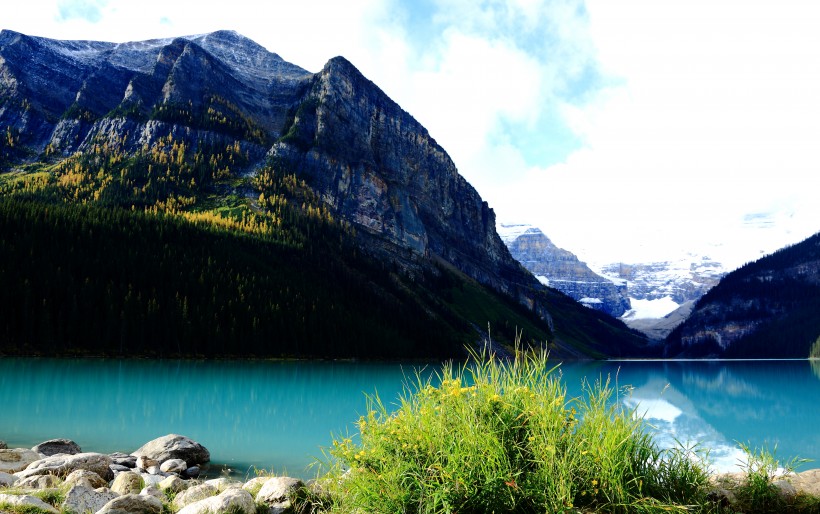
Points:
point(651, 297)
point(201, 196)
point(766, 309)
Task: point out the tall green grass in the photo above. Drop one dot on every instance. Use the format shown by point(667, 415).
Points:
point(502, 436)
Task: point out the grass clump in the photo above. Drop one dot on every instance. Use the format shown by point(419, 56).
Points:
point(502, 436)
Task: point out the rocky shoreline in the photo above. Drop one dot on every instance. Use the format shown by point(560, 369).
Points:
point(163, 476)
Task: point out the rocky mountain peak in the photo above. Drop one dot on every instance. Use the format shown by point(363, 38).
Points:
point(561, 269)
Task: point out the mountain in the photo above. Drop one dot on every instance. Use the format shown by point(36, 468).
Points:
point(351, 231)
point(764, 309)
point(662, 293)
point(563, 270)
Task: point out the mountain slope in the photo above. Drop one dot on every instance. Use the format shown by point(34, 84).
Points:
point(765, 309)
point(216, 131)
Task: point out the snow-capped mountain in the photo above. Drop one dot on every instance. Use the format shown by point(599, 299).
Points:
point(562, 270)
point(652, 297)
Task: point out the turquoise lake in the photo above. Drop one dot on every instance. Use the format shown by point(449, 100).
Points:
point(279, 415)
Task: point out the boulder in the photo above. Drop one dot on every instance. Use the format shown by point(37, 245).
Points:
point(150, 479)
point(132, 504)
point(174, 446)
point(123, 459)
point(83, 499)
point(174, 466)
point(194, 494)
point(807, 482)
point(192, 472)
point(57, 446)
point(277, 492)
point(143, 462)
point(27, 503)
point(174, 483)
point(223, 484)
point(3, 445)
point(85, 478)
point(17, 459)
point(127, 482)
point(63, 465)
point(6, 479)
point(38, 482)
point(154, 491)
point(233, 500)
point(255, 484)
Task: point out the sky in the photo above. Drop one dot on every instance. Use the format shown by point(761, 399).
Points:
point(628, 131)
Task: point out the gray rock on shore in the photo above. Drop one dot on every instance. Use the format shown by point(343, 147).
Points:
point(83, 499)
point(231, 500)
point(57, 446)
point(25, 501)
point(17, 459)
point(62, 465)
point(174, 446)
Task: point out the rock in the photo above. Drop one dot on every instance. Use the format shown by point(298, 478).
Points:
point(17, 459)
point(143, 462)
point(128, 482)
point(233, 500)
point(174, 446)
point(153, 470)
point(277, 492)
point(174, 466)
point(174, 483)
point(3, 445)
point(85, 478)
point(39, 482)
point(6, 479)
point(123, 459)
point(132, 504)
point(785, 488)
point(150, 479)
point(807, 482)
point(255, 484)
point(192, 472)
point(194, 494)
point(117, 468)
point(26, 502)
point(223, 484)
point(83, 499)
point(63, 465)
point(57, 446)
point(154, 491)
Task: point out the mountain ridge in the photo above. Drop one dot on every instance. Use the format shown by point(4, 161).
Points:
point(764, 309)
point(172, 126)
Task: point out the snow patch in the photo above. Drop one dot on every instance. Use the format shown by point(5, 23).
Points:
point(544, 280)
point(650, 309)
point(509, 232)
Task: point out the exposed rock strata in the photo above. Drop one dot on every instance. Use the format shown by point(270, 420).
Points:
point(563, 270)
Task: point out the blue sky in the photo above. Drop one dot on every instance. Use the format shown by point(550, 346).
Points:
point(627, 131)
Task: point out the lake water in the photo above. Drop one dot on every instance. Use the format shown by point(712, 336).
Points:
point(279, 415)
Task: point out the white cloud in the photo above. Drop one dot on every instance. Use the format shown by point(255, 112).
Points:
point(716, 116)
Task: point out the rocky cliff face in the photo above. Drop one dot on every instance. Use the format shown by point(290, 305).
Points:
point(563, 270)
point(379, 168)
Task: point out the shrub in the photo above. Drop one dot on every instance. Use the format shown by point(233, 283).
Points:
point(502, 436)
